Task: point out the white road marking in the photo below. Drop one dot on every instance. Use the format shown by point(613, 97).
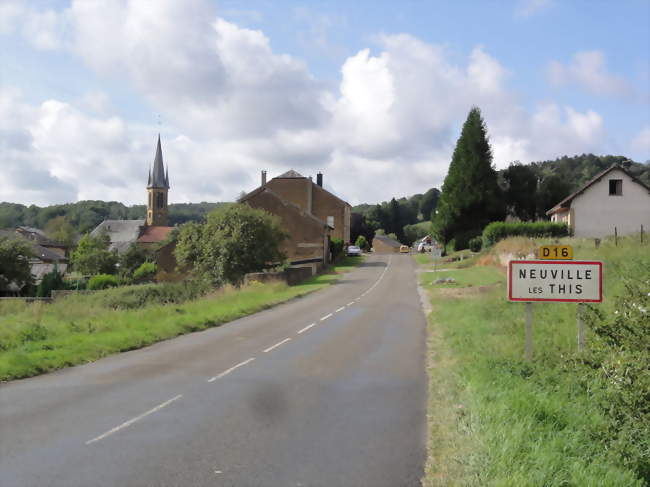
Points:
point(133, 420)
point(277, 345)
point(350, 303)
point(306, 328)
point(378, 280)
point(326, 316)
point(217, 471)
point(226, 372)
point(340, 309)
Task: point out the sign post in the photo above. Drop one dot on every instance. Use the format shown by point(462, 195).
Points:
point(572, 281)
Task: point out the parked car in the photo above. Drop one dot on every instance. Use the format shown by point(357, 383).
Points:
point(404, 249)
point(353, 250)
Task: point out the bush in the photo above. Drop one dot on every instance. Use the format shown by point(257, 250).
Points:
point(102, 281)
point(475, 244)
point(51, 281)
point(361, 242)
point(336, 247)
point(145, 272)
point(134, 297)
point(496, 231)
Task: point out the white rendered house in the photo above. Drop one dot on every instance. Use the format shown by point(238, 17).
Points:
point(612, 199)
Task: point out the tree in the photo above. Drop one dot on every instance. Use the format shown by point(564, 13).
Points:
point(361, 242)
point(521, 191)
point(429, 202)
point(14, 262)
point(132, 258)
point(93, 257)
point(471, 197)
point(551, 191)
point(235, 240)
point(61, 230)
point(395, 224)
point(51, 281)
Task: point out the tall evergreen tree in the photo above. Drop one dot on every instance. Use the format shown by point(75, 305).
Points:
point(471, 197)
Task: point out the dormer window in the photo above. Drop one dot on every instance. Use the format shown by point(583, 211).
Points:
point(615, 187)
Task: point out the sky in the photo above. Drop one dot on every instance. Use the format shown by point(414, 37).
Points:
point(371, 93)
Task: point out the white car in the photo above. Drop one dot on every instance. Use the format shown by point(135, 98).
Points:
point(353, 250)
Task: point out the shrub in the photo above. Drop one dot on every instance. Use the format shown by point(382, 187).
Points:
point(102, 281)
point(496, 231)
point(145, 272)
point(336, 247)
point(134, 297)
point(51, 281)
point(475, 244)
point(361, 242)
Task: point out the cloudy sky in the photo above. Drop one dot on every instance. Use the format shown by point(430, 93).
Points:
point(372, 93)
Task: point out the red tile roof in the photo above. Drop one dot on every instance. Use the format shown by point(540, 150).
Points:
point(154, 234)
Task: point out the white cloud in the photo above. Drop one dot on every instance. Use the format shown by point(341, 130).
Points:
point(588, 70)
point(529, 8)
point(641, 142)
point(233, 106)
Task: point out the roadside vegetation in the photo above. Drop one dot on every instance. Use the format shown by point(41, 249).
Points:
point(36, 337)
point(564, 419)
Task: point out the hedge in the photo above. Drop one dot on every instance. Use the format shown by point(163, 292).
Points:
point(496, 231)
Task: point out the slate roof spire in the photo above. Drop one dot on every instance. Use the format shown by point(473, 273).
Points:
point(157, 178)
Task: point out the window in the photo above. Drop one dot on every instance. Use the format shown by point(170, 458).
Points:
point(615, 187)
point(330, 221)
point(160, 200)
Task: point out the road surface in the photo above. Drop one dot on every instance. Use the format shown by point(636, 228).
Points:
point(325, 390)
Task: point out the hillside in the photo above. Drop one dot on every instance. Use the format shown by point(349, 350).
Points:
point(86, 215)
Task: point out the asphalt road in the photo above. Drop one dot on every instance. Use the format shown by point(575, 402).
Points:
point(326, 390)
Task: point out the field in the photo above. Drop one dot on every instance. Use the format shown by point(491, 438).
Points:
point(37, 337)
point(496, 419)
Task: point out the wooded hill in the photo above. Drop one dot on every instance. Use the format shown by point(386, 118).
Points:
point(84, 216)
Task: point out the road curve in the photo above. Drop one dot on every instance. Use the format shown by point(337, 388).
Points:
point(326, 390)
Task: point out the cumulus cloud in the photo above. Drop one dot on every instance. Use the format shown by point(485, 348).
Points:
point(234, 107)
point(641, 142)
point(588, 70)
point(528, 8)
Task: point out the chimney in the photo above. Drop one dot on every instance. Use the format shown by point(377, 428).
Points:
point(319, 179)
point(263, 178)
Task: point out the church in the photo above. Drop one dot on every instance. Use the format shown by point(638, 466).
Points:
point(154, 229)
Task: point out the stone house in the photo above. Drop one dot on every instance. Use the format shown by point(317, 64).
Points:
point(613, 199)
point(381, 244)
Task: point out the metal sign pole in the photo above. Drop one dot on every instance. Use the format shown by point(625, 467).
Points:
point(581, 329)
point(529, 332)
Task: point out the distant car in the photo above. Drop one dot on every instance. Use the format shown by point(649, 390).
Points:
point(353, 250)
point(404, 249)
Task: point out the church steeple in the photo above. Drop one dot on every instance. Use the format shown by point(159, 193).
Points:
point(157, 187)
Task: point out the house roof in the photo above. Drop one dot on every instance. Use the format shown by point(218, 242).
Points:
point(290, 174)
point(154, 234)
point(121, 232)
point(566, 202)
point(37, 235)
point(387, 240)
point(158, 178)
point(285, 202)
point(46, 255)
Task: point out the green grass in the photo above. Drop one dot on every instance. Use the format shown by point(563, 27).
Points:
point(36, 338)
point(469, 277)
point(496, 420)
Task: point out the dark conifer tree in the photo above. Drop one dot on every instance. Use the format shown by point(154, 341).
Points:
point(471, 197)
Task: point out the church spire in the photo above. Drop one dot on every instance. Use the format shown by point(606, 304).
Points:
point(158, 179)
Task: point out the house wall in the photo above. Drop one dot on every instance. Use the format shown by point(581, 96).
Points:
point(325, 204)
point(307, 238)
point(380, 247)
point(596, 212)
point(312, 198)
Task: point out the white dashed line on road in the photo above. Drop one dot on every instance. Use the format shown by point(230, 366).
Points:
point(340, 309)
point(133, 420)
point(226, 372)
point(326, 316)
point(277, 345)
point(306, 328)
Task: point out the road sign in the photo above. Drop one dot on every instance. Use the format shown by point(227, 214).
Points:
point(555, 252)
point(577, 281)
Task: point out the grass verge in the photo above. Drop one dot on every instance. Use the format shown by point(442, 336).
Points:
point(497, 420)
point(36, 338)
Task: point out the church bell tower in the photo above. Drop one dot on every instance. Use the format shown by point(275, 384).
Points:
point(157, 187)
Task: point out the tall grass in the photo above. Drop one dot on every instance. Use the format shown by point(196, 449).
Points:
point(38, 337)
point(519, 423)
